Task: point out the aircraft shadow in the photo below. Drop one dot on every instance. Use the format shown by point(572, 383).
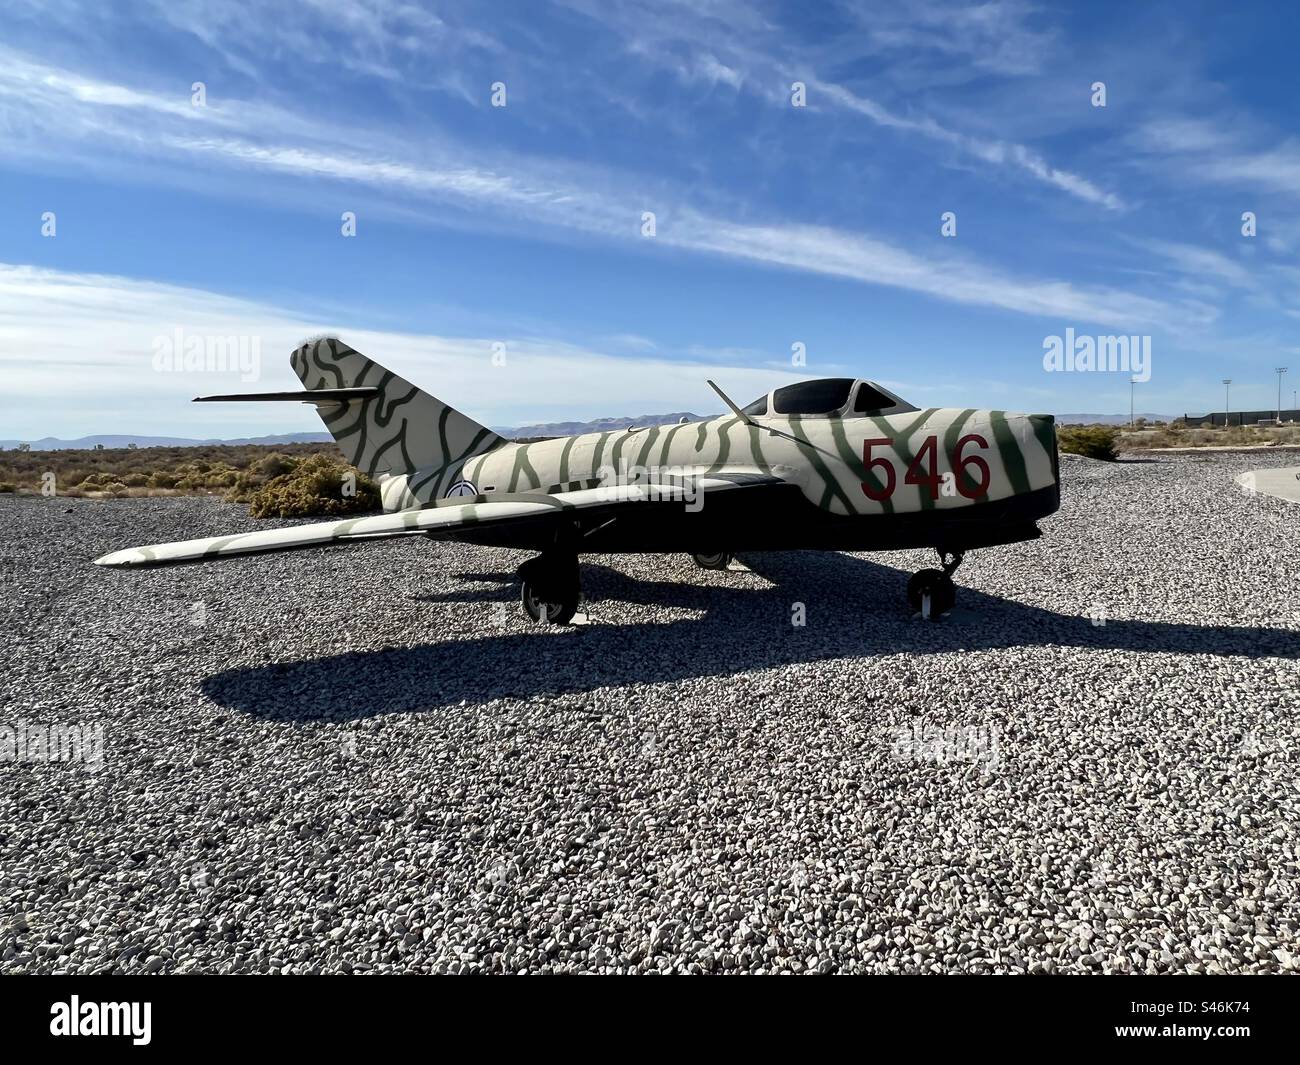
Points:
point(853, 608)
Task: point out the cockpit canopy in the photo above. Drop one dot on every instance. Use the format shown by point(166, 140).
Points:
point(827, 396)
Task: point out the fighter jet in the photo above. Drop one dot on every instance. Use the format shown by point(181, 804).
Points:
point(837, 464)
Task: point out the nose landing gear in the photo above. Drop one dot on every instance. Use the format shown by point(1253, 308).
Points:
point(930, 592)
point(712, 559)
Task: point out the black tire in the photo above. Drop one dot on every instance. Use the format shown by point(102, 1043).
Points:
point(557, 612)
point(713, 560)
point(943, 595)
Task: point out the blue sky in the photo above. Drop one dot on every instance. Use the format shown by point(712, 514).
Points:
point(522, 225)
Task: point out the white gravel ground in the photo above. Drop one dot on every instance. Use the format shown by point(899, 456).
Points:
point(365, 759)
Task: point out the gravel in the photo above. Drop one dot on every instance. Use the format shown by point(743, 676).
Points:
point(366, 760)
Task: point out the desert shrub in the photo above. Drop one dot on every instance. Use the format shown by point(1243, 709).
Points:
point(273, 465)
point(314, 487)
point(135, 480)
point(163, 467)
point(114, 489)
point(8, 486)
point(242, 490)
point(218, 478)
point(1092, 441)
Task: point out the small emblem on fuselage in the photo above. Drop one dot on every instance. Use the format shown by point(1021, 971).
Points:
point(462, 488)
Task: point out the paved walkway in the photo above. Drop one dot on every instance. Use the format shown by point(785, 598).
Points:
point(1284, 483)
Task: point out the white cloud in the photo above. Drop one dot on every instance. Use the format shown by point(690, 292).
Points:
point(592, 202)
point(991, 36)
point(728, 42)
point(80, 359)
point(992, 151)
point(1219, 153)
point(1277, 169)
point(1202, 262)
point(1182, 135)
point(829, 251)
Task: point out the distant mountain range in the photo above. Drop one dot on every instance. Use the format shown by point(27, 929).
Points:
point(85, 443)
point(599, 425)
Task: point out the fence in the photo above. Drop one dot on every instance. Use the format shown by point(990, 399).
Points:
point(1240, 417)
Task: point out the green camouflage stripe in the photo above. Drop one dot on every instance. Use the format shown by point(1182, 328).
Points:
point(754, 434)
point(724, 443)
point(666, 451)
point(564, 458)
point(598, 450)
point(854, 462)
point(438, 476)
point(830, 486)
point(443, 417)
point(652, 434)
point(616, 452)
point(523, 466)
point(1013, 459)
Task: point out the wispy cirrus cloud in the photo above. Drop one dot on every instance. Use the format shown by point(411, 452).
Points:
point(1203, 262)
point(998, 36)
point(581, 199)
point(1223, 153)
point(993, 151)
point(731, 44)
point(404, 43)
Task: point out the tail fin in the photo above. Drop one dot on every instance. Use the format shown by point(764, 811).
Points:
point(398, 430)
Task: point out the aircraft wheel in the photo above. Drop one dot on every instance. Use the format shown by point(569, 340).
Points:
point(550, 591)
point(713, 560)
point(553, 613)
point(935, 583)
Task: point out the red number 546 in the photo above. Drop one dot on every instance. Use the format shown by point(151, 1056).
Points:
point(924, 468)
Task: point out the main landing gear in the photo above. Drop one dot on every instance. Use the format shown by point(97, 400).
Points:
point(551, 588)
point(713, 560)
point(930, 592)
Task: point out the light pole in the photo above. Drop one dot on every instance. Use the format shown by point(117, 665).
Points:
point(1279, 371)
point(1227, 407)
point(1131, 382)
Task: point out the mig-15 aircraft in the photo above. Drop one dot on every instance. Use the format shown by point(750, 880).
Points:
point(831, 464)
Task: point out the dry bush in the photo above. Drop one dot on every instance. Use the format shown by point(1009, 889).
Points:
point(1092, 441)
point(315, 486)
point(1180, 435)
point(234, 470)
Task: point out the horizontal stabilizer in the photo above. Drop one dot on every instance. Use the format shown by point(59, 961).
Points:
point(311, 395)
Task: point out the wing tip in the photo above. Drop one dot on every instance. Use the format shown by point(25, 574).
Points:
point(119, 559)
